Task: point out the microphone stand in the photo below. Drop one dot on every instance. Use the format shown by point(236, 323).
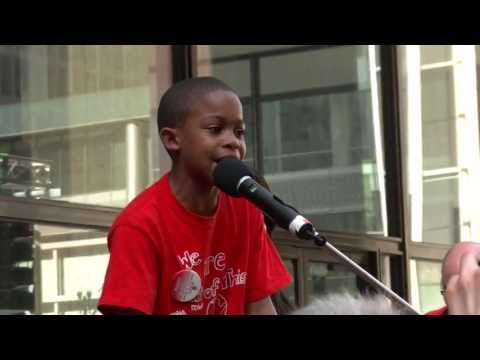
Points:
point(311, 234)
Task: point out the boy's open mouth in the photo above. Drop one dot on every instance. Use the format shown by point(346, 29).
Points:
point(225, 157)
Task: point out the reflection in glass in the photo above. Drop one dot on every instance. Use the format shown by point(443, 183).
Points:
point(431, 54)
point(64, 110)
point(290, 290)
point(428, 283)
point(438, 119)
point(317, 109)
point(328, 278)
point(439, 113)
point(50, 269)
point(441, 223)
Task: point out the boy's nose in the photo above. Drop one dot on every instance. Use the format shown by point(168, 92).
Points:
point(233, 141)
point(235, 144)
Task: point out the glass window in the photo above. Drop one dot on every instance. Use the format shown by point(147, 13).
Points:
point(64, 111)
point(236, 74)
point(319, 135)
point(438, 119)
point(291, 290)
point(440, 129)
point(222, 51)
point(330, 278)
point(427, 285)
point(441, 212)
point(431, 54)
point(320, 118)
point(50, 269)
point(330, 67)
point(303, 144)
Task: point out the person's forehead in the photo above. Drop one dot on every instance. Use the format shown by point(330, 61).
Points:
point(225, 106)
point(218, 99)
point(453, 259)
point(461, 249)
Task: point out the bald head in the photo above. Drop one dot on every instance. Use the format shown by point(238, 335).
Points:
point(451, 263)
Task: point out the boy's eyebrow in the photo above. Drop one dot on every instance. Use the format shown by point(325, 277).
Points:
point(222, 119)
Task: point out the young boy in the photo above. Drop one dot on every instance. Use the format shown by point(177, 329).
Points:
point(182, 246)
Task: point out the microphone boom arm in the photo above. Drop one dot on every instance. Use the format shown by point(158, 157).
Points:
point(236, 179)
point(309, 233)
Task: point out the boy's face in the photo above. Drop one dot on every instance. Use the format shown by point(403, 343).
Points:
point(212, 131)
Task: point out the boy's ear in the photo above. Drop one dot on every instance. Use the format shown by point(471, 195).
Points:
point(169, 138)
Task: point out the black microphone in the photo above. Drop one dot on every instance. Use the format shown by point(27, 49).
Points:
point(235, 178)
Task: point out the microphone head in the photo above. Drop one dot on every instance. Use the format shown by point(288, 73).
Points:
point(228, 173)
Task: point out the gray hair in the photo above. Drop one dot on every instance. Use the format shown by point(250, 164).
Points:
point(347, 304)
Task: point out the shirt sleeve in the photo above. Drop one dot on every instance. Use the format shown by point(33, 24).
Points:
point(267, 273)
point(132, 272)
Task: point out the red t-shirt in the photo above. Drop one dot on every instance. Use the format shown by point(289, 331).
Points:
point(441, 311)
point(155, 238)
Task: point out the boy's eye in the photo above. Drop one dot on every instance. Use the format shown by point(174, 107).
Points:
point(215, 129)
point(240, 132)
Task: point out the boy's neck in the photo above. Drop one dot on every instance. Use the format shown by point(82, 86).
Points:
point(201, 200)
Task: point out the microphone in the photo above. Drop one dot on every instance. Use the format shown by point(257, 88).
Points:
point(235, 178)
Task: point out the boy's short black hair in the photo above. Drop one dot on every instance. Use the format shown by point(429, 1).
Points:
point(179, 99)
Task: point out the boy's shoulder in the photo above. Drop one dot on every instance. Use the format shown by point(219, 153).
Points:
point(144, 205)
